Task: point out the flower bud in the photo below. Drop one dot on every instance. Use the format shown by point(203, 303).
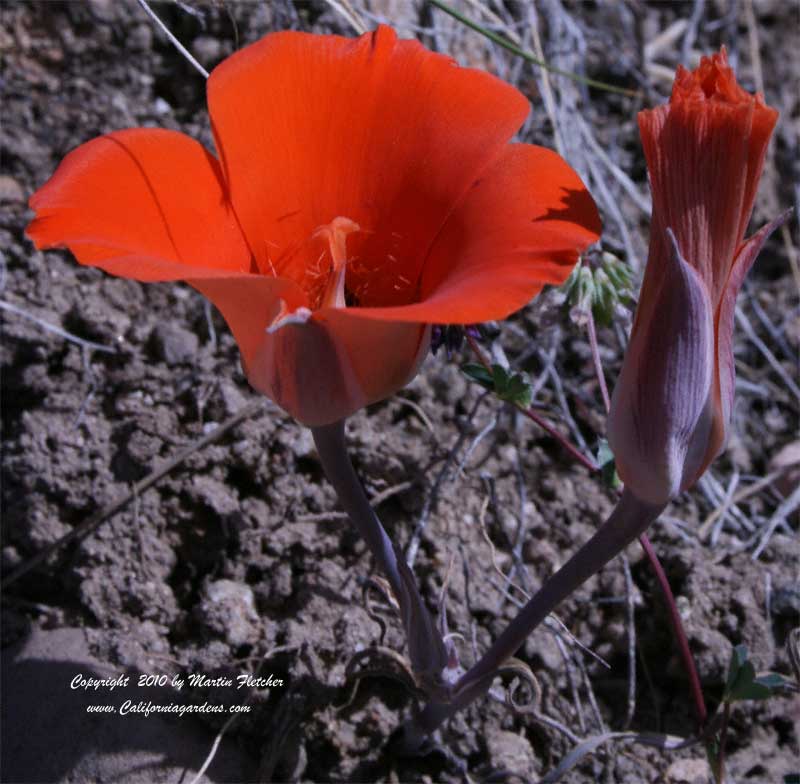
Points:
point(671, 407)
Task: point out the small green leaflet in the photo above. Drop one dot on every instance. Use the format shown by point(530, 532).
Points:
point(744, 684)
point(511, 387)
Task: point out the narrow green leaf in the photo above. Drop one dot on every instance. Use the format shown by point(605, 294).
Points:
point(529, 56)
point(738, 658)
point(772, 681)
point(750, 691)
point(478, 373)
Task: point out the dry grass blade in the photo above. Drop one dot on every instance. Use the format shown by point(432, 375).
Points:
point(780, 514)
point(529, 56)
point(742, 495)
point(173, 40)
point(590, 745)
point(344, 9)
point(48, 327)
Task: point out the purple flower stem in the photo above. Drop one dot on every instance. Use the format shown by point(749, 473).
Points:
point(678, 631)
point(426, 647)
point(628, 520)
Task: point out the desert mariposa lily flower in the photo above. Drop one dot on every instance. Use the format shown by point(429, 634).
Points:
point(672, 404)
point(671, 407)
point(363, 190)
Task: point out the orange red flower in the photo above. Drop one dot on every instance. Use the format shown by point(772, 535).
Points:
point(363, 190)
point(705, 150)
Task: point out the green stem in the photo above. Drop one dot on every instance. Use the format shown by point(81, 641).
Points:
point(719, 761)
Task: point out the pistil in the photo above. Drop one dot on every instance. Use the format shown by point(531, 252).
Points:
point(336, 233)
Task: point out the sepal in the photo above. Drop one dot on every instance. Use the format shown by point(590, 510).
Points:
point(662, 407)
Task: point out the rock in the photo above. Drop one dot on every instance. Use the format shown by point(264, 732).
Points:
point(511, 752)
point(689, 771)
point(786, 601)
point(207, 50)
point(48, 735)
point(10, 189)
point(173, 343)
point(712, 654)
point(302, 444)
point(10, 558)
point(230, 398)
point(215, 495)
point(228, 609)
point(161, 107)
point(103, 10)
point(140, 39)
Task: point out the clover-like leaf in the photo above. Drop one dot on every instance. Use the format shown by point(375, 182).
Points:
point(744, 684)
point(507, 385)
point(479, 373)
point(738, 658)
point(511, 387)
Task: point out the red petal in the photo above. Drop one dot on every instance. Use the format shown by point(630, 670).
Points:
point(376, 130)
point(249, 304)
point(330, 367)
point(714, 81)
point(522, 225)
point(705, 151)
point(725, 375)
point(146, 204)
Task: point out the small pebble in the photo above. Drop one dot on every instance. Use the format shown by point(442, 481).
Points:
point(174, 344)
point(10, 189)
point(207, 50)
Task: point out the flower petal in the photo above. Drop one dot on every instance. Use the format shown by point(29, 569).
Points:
point(725, 376)
point(249, 305)
point(330, 367)
point(376, 130)
point(144, 203)
point(713, 81)
point(522, 225)
point(705, 151)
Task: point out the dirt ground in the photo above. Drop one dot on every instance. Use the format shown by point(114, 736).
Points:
point(238, 561)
